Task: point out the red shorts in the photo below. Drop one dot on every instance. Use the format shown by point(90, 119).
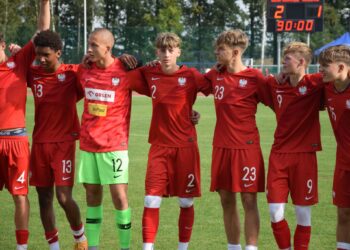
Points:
point(294, 172)
point(237, 170)
point(341, 188)
point(52, 163)
point(173, 172)
point(14, 165)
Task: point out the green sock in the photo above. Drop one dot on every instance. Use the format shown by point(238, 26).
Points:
point(123, 220)
point(93, 225)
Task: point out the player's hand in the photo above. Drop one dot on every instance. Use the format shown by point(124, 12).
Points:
point(130, 62)
point(281, 78)
point(14, 48)
point(86, 62)
point(195, 116)
point(153, 63)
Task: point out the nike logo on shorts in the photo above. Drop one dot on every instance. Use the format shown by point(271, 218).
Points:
point(308, 198)
point(66, 178)
point(248, 185)
point(17, 188)
point(116, 176)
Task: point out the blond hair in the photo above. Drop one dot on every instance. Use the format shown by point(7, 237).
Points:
point(166, 40)
point(233, 38)
point(339, 53)
point(300, 49)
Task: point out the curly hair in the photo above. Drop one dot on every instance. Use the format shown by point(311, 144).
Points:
point(48, 38)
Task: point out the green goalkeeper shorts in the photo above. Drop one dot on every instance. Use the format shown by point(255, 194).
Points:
point(104, 168)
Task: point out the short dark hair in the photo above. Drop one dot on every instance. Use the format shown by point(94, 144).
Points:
point(48, 38)
point(2, 38)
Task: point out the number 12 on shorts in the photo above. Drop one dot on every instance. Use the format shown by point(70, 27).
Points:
point(117, 166)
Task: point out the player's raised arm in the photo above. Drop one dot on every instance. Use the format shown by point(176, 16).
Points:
point(44, 15)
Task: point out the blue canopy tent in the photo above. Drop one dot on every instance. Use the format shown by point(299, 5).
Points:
point(343, 40)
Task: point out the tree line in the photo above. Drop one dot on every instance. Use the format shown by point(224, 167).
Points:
point(135, 24)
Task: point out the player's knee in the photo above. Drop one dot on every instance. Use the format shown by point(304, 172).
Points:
point(185, 202)
point(152, 201)
point(276, 212)
point(303, 214)
point(249, 202)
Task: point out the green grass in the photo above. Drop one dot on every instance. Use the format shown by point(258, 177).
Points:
point(208, 232)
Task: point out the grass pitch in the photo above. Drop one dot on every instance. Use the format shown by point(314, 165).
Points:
point(208, 231)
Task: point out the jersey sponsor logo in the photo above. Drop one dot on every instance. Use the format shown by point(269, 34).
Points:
point(99, 95)
point(66, 178)
point(348, 104)
point(61, 77)
point(115, 81)
point(97, 109)
point(302, 90)
point(11, 65)
point(155, 78)
point(243, 83)
point(182, 81)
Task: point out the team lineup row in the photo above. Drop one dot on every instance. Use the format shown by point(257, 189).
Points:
point(105, 85)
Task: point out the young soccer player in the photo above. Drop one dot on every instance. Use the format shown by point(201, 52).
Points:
point(293, 163)
point(56, 91)
point(14, 146)
point(173, 160)
point(335, 68)
point(237, 163)
point(104, 136)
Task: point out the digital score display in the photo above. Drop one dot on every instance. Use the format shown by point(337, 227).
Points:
point(294, 15)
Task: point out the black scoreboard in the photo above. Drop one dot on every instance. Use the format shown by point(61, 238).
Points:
point(294, 15)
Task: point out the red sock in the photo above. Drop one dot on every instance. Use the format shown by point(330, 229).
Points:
point(78, 231)
point(52, 236)
point(282, 234)
point(186, 220)
point(22, 237)
point(302, 237)
point(150, 222)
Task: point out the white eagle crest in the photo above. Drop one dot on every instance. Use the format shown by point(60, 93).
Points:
point(243, 83)
point(302, 90)
point(115, 81)
point(11, 65)
point(61, 77)
point(182, 81)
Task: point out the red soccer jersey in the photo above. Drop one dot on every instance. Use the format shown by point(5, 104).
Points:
point(297, 112)
point(13, 88)
point(338, 106)
point(55, 96)
point(107, 105)
point(236, 96)
point(172, 99)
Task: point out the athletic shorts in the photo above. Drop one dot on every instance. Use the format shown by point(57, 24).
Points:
point(14, 165)
point(295, 173)
point(237, 170)
point(104, 168)
point(52, 164)
point(341, 188)
point(173, 172)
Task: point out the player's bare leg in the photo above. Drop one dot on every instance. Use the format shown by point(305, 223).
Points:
point(94, 214)
point(231, 217)
point(119, 194)
point(343, 228)
point(47, 215)
point(251, 219)
point(21, 218)
point(71, 209)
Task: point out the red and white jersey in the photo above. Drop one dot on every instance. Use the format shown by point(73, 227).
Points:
point(172, 99)
point(107, 105)
point(297, 113)
point(338, 106)
point(13, 88)
point(236, 96)
point(55, 97)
